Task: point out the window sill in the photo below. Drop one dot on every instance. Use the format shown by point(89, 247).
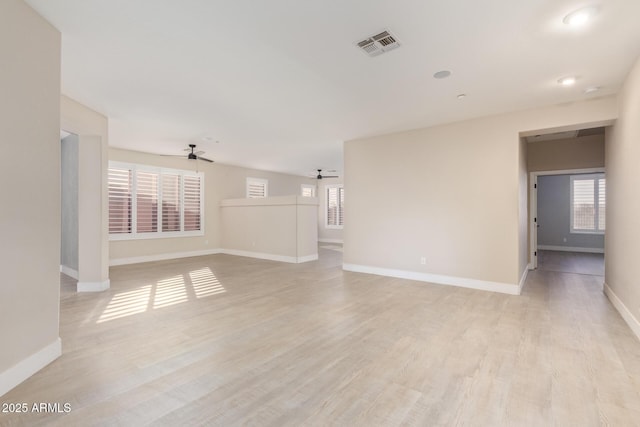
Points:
point(150, 236)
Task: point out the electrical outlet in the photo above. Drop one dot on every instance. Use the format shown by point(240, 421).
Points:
point(423, 260)
point(206, 242)
point(564, 239)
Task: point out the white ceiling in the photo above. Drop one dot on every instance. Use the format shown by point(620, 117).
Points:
point(280, 83)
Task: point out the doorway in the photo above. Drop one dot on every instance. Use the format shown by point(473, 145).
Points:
point(568, 222)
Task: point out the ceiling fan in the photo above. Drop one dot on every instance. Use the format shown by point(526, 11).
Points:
point(320, 176)
point(196, 155)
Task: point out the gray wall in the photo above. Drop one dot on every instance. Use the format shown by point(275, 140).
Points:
point(554, 211)
point(69, 188)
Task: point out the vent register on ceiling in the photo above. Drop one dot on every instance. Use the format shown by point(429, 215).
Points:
point(378, 44)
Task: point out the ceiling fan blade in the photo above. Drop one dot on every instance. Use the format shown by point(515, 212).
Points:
point(330, 176)
point(205, 159)
point(198, 153)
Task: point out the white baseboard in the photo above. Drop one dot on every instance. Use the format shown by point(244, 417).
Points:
point(505, 288)
point(307, 258)
point(628, 317)
point(29, 366)
point(69, 271)
point(270, 257)
point(93, 286)
point(162, 257)
point(236, 252)
point(571, 249)
point(523, 279)
point(340, 241)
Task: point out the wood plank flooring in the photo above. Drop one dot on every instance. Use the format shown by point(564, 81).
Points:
point(223, 340)
point(571, 262)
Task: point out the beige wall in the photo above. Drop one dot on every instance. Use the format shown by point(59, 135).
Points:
point(324, 233)
point(30, 214)
point(523, 210)
point(574, 153)
point(452, 194)
point(281, 228)
point(93, 234)
point(221, 182)
point(622, 244)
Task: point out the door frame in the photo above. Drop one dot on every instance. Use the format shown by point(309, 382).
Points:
point(533, 206)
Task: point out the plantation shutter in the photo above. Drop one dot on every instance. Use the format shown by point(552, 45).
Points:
point(191, 203)
point(256, 188)
point(170, 202)
point(341, 206)
point(588, 203)
point(119, 188)
point(602, 198)
point(147, 202)
point(583, 204)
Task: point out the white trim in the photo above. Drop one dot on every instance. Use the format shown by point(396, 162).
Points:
point(568, 171)
point(523, 279)
point(628, 317)
point(530, 266)
point(571, 249)
point(69, 271)
point(93, 286)
point(162, 257)
point(331, 241)
point(270, 257)
point(505, 288)
point(29, 366)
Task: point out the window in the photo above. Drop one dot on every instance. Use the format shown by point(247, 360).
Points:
point(335, 206)
point(588, 199)
point(308, 190)
point(147, 202)
point(256, 188)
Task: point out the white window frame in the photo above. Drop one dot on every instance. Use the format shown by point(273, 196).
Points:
point(258, 181)
point(596, 177)
point(309, 187)
point(326, 208)
point(159, 234)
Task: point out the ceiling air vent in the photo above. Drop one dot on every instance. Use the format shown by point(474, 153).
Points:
point(378, 44)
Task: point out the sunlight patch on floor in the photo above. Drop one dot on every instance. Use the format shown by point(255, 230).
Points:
point(178, 289)
point(127, 303)
point(205, 283)
point(170, 291)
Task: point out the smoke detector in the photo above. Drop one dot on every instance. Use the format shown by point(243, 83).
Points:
point(378, 44)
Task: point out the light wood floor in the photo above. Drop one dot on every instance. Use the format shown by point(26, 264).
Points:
point(571, 262)
point(223, 340)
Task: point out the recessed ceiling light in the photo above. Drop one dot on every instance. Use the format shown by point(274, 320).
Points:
point(462, 96)
point(442, 74)
point(579, 17)
point(591, 89)
point(567, 81)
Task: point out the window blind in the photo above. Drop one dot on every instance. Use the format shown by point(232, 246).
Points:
point(170, 202)
point(147, 202)
point(191, 203)
point(119, 189)
point(588, 203)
